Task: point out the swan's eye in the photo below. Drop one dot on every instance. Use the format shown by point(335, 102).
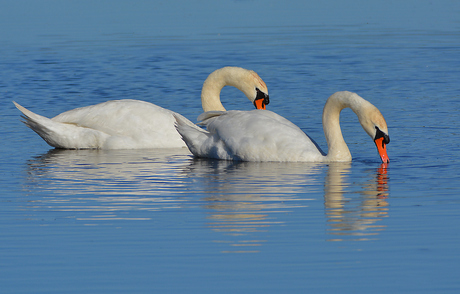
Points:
point(379, 134)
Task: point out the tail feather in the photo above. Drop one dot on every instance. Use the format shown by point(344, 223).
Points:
point(39, 124)
point(61, 135)
point(193, 135)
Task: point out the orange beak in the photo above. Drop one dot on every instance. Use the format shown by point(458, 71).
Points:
point(382, 148)
point(259, 103)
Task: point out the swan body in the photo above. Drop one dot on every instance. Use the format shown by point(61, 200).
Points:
point(265, 136)
point(134, 124)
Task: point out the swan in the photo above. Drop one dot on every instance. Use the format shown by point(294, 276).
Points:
point(265, 136)
point(134, 124)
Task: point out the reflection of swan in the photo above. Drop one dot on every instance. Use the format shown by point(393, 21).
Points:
point(133, 124)
point(107, 185)
point(114, 173)
point(158, 173)
point(266, 136)
point(241, 200)
point(349, 216)
point(237, 179)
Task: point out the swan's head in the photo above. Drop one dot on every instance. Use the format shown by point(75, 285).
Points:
point(245, 80)
point(249, 82)
point(256, 90)
point(375, 126)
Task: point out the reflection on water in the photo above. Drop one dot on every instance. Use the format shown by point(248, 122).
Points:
point(355, 217)
point(107, 181)
point(241, 200)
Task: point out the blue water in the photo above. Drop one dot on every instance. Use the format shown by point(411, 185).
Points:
point(160, 221)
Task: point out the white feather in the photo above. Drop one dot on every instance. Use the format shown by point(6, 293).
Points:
point(134, 124)
point(262, 135)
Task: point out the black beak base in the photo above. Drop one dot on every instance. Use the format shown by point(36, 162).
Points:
point(380, 134)
point(262, 95)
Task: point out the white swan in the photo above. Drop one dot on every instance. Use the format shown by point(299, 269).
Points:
point(134, 124)
point(265, 136)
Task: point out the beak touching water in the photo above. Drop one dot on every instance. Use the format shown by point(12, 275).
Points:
point(382, 148)
point(381, 140)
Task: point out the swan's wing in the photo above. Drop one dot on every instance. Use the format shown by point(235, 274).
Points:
point(257, 135)
point(118, 116)
point(132, 123)
point(126, 124)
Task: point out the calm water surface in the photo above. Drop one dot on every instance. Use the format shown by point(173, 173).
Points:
point(137, 221)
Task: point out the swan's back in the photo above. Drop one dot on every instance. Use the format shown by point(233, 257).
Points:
point(119, 117)
point(257, 135)
point(129, 123)
point(117, 124)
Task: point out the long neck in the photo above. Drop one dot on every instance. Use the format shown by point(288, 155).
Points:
point(337, 148)
point(210, 93)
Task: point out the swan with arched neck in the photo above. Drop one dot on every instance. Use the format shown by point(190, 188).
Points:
point(266, 136)
point(134, 124)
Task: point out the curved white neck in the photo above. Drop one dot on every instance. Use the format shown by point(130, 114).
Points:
point(227, 76)
point(337, 148)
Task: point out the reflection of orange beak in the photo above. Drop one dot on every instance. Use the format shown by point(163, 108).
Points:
point(382, 148)
point(259, 103)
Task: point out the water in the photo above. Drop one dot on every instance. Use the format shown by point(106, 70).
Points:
point(136, 221)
